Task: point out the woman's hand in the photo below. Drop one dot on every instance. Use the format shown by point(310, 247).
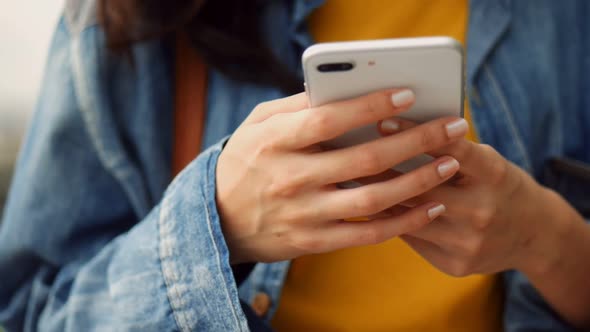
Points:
point(276, 191)
point(495, 212)
point(497, 216)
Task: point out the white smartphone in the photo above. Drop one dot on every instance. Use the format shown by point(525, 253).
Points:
point(432, 67)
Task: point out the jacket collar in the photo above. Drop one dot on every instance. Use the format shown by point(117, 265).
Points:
point(488, 21)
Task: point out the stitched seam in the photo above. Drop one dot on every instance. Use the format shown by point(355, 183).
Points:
point(210, 230)
point(506, 109)
point(169, 274)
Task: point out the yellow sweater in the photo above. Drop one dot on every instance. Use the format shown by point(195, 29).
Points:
point(387, 287)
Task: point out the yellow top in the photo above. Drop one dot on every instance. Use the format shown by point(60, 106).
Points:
point(387, 287)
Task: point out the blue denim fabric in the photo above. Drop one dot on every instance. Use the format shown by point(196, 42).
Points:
point(94, 236)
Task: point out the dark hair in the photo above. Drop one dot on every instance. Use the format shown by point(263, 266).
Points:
point(224, 32)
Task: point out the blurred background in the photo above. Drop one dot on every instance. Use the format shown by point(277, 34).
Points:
point(26, 27)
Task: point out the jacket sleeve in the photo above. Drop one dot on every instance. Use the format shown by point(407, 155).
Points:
point(74, 257)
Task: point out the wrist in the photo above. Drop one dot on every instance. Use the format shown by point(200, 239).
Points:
point(551, 228)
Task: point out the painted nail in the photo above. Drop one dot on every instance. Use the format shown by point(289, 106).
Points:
point(403, 98)
point(447, 168)
point(436, 211)
point(389, 126)
point(457, 128)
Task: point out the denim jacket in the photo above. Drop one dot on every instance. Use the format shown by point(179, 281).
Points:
point(96, 236)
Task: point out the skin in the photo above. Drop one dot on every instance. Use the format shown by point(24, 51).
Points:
point(276, 191)
point(499, 218)
point(277, 197)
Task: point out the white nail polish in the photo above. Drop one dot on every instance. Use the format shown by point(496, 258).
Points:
point(457, 128)
point(436, 211)
point(402, 98)
point(447, 168)
point(389, 126)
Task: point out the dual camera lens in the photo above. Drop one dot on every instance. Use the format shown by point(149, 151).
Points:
point(335, 67)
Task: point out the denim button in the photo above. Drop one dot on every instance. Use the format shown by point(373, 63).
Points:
point(260, 304)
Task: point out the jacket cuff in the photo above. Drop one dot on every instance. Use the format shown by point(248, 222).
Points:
point(193, 253)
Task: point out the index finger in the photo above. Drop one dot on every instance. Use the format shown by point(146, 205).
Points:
point(322, 123)
point(475, 159)
point(267, 109)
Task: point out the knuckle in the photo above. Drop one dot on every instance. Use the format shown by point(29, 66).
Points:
point(261, 107)
point(304, 242)
point(427, 139)
point(370, 236)
point(417, 221)
point(367, 203)
point(462, 150)
point(253, 161)
point(373, 103)
point(498, 168)
point(309, 212)
point(472, 247)
point(317, 123)
point(290, 219)
point(368, 161)
point(258, 156)
point(482, 218)
point(300, 179)
point(280, 116)
point(282, 188)
point(424, 181)
point(499, 171)
point(264, 148)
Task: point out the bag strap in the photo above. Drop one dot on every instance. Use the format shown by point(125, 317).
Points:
point(190, 101)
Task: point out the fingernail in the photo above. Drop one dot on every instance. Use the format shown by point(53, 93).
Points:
point(457, 128)
point(402, 98)
point(389, 126)
point(436, 211)
point(447, 168)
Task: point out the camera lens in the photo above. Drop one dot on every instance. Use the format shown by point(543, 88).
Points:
point(335, 67)
point(346, 66)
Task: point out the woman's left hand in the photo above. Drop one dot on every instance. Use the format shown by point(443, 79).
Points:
point(497, 217)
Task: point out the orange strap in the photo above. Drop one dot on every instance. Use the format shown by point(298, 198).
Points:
point(190, 98)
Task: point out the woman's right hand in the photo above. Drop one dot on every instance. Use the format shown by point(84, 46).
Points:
point(276, 191)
